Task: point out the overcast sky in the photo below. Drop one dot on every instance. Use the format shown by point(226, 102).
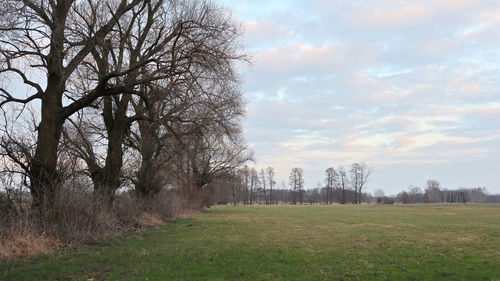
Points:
point(410, 87)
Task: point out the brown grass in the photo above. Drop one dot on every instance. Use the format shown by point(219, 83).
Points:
point(24, 240)
point(148, 219)
point(78, 218)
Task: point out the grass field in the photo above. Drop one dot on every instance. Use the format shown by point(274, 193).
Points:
point(369, 242)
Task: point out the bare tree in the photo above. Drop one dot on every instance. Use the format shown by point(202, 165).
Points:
point(189, 41)
point(270, 178)
point(263, 181)
point(433, 191)
point(55, 38)
point(415, 193)
point(379, 195)
point(404, 197)
point(331, 179)
point(254, 183)
point(343, 182)
point(245, 174)
point(360, 173)
point(214, 149)
point(17, 148)
point(355, 179)
point(296, 182)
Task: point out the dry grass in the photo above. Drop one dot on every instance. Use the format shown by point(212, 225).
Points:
point(148, 219)
point(27, 245)
point(78, 218)
point(24, 240)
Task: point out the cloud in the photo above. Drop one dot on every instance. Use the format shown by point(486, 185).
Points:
point(388, 18)
point(302, 60)
point(265, 32)
point(409, 87)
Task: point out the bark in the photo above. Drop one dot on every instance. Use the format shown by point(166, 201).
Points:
point(44, 183)
point(117, 123)
point(147, 184)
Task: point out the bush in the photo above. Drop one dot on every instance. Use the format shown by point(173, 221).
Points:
point(168, 204)
point(385, 200)
point(23, 239)
point(78, 217)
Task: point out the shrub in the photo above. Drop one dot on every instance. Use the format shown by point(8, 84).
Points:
point(23, 239)
point(78, 217)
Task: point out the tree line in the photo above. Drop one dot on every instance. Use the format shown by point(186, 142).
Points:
point(249, 186)
point(434, 193)
point(119, 97)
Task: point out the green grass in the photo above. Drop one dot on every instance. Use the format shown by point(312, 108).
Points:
point(414, 242)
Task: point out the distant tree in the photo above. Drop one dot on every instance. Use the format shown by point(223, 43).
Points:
point(331, 179)
point(296, 182)
point(387, 200)
point(270, 178)
point(284, 194)
point(314, 194)
point(477, 194)
point(433, 191)
point(379, 195)
point(462, 196)
point(360, 173)
point(254, 183)
point(245, 174)
point(343, 182)
point(234, 178)
point(263, 181)
point(354, 173)
point(416, 194)
point(404, 197)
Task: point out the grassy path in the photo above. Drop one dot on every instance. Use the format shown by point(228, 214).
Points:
point(438, 242)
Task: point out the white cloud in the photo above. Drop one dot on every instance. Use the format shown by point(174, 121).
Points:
point(396, 83)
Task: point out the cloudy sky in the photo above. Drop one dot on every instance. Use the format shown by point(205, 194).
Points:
point(410, 87)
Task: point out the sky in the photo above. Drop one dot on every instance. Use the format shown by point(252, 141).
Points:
point(412, 88)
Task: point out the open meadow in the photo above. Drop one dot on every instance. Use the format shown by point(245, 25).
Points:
point(367, 242)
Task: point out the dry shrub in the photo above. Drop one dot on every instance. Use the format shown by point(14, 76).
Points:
point(81, 217)
point(168, 204)
point(148, 219)
point(24, 240)
point(201, 199)
point(77, 216)
point(126, 209)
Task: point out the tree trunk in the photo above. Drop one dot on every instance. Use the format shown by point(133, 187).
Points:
point(109, 182)
point(234, 192)
point(116, 126)
point(147, 185)
point(251, 194)
point(43, 167)
point(44, 181)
